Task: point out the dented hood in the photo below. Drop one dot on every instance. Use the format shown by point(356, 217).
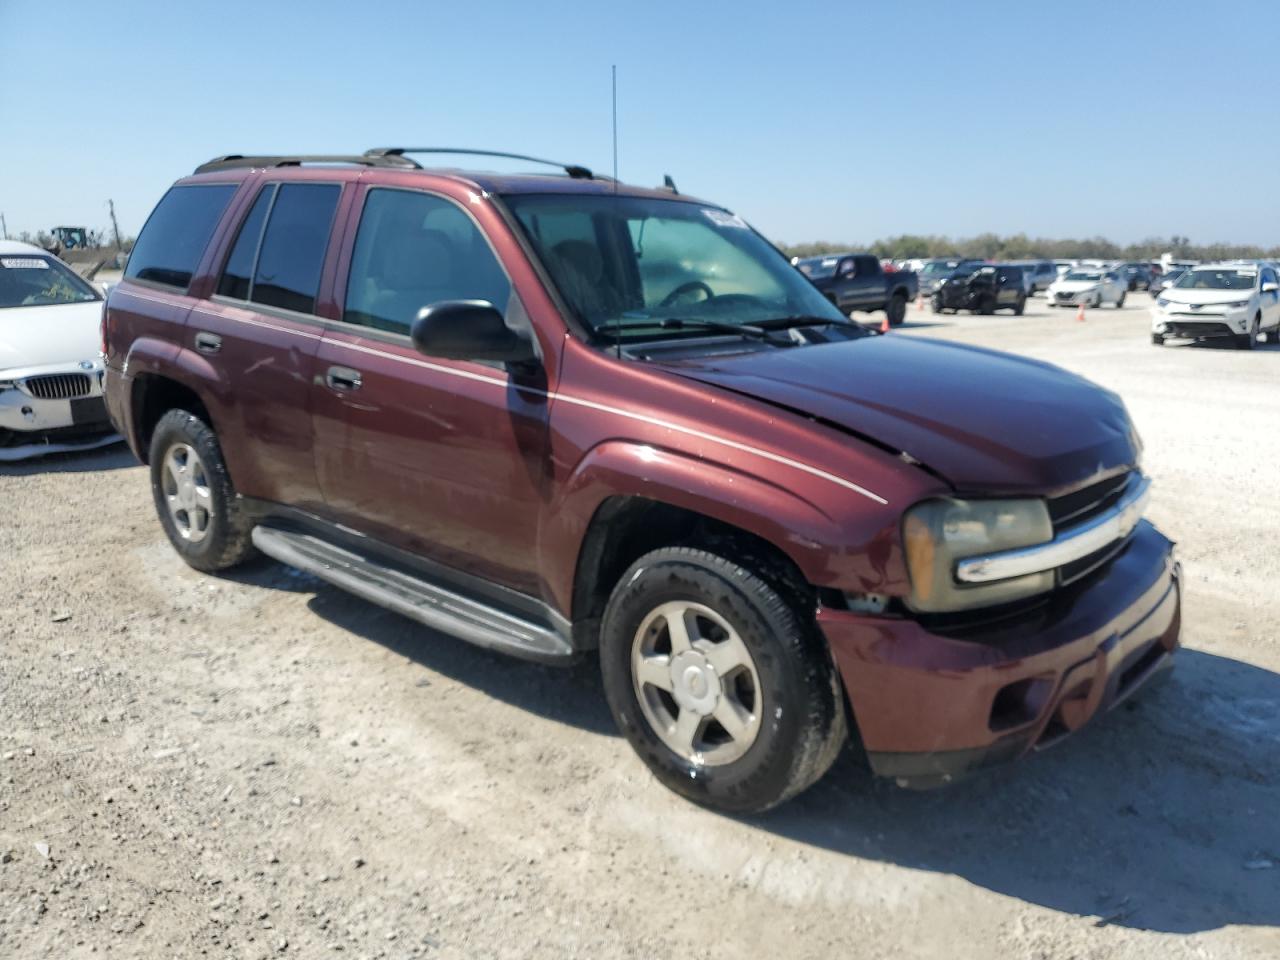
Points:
point(985, 421)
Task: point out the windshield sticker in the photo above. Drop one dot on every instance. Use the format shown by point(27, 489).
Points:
point(24, 263)
point(722, 218)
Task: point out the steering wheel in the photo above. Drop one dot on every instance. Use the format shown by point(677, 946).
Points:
point(684, 288)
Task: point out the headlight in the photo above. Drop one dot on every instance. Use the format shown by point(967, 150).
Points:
point(1162, 303)
point(6, 385)
point(939, 533)
point(1237, 305)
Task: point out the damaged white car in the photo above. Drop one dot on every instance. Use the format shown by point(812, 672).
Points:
point(50, 368)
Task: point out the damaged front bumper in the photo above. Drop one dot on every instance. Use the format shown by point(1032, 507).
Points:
point(932, 707)
point(52, 409)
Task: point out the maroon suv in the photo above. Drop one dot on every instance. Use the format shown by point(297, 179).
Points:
point(552, 413)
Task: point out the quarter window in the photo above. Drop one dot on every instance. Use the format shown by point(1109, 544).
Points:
point(171, 243)
point(413, 250)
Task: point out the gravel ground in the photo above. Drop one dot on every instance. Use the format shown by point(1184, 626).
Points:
point(261, 766)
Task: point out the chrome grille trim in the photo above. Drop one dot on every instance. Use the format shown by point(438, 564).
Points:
point(59, 386)
point(1074, 543)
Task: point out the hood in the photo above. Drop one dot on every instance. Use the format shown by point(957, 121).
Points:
point(1074, 286)
point(1193, 295)
point(986, 422)
point(40, 336)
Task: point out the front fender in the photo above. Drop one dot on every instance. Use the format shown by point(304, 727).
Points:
point(817, 543)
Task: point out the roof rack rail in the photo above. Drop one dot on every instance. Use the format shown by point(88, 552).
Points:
point(232, 160)
point(574, 170)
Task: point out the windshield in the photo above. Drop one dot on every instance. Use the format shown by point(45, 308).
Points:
point(936, 268)
point(1226, 278)
point(1084, 275)
point(817, 268)
point(625, 264)
point(32, 280)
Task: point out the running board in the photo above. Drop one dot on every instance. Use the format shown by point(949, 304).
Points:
point(438, 608)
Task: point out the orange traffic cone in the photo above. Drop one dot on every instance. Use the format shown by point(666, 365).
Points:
point(1080, 313)
point(919, 303)
point(884, 324)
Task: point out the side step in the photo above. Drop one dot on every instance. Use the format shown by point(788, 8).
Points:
point(413, 597)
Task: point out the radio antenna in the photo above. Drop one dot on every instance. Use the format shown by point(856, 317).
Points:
point(617, 322)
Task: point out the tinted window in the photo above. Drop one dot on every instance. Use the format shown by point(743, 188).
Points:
point(236, 277)
point(292, 253)
point(413, 250)
point(170, 245)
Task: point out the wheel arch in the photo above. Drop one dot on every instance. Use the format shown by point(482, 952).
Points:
point(152, 396)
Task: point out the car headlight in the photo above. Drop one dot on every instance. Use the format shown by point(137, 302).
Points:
point(1237, 305)
point(939, 533)
point(1162, 303)
point(7, 385)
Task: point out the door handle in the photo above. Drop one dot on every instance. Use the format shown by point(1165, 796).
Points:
point(343, 378)
point(208, 342)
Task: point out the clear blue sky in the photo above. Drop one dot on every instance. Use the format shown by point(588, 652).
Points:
point(831, 120)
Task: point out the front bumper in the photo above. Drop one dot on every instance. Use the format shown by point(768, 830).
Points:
point(933, 707)
point(1204, 326)
point(52, 409)
point(1071, 298)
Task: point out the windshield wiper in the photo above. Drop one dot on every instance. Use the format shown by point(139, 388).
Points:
point(722, 326)
point(801, 320)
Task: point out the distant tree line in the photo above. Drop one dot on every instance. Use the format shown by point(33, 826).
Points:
point(1019, 246)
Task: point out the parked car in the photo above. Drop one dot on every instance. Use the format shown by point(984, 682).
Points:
point(50, 371)
point(938, 269)
point(1239, 301)
point(983, 288)
point(472, 398)
point(1040, 274)
point(1137, 275)
point(1165, 279)
point(856, 282)
point(1092, 286)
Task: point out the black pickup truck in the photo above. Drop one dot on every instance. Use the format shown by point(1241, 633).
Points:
point(855, 281)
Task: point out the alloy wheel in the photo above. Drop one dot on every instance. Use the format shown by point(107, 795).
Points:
point(185, 484)
point(696, 683)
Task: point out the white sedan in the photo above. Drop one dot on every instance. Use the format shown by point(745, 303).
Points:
point(50, 368)
point(1091, 286)
point(1236, 301)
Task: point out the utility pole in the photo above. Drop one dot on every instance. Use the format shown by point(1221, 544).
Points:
point(115, 227)
point(4, 227)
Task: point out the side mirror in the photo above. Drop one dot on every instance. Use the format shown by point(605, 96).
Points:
point(468, 330)
point(1270, 287)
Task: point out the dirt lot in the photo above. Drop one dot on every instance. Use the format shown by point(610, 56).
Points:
point(261, 766)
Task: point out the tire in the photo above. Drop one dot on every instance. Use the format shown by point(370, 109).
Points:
point(1120, 302)
point(1247, 341)
point(1021, 307)
point(986, 307)
point(896, 308)
point(936, 304)
point(795, 722)
point(1157, 340)
point(194, 497)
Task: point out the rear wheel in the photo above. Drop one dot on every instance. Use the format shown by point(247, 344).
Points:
point(1120, 302)
point(194, 496)
point(1020, 307)
point(897, 309)
point(720, 683)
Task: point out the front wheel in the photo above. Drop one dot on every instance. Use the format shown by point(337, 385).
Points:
point(896, 309)
point(721, 684)
point(1020, 307)
point(194, 497)
point(1157, 340)
point(1247, 341)
point(1120, 302)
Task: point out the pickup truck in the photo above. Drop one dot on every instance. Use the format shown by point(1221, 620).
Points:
point(856, 281)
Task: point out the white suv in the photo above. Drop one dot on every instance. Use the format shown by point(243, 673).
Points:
point(1237, 300)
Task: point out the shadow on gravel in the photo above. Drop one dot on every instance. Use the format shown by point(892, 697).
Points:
point(115, 457)
point(1161, 816)
point(571, 696)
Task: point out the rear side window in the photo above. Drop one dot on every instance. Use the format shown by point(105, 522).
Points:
point(291, 254)
point(413, 250)
point(173, 240)
point(237, 276)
